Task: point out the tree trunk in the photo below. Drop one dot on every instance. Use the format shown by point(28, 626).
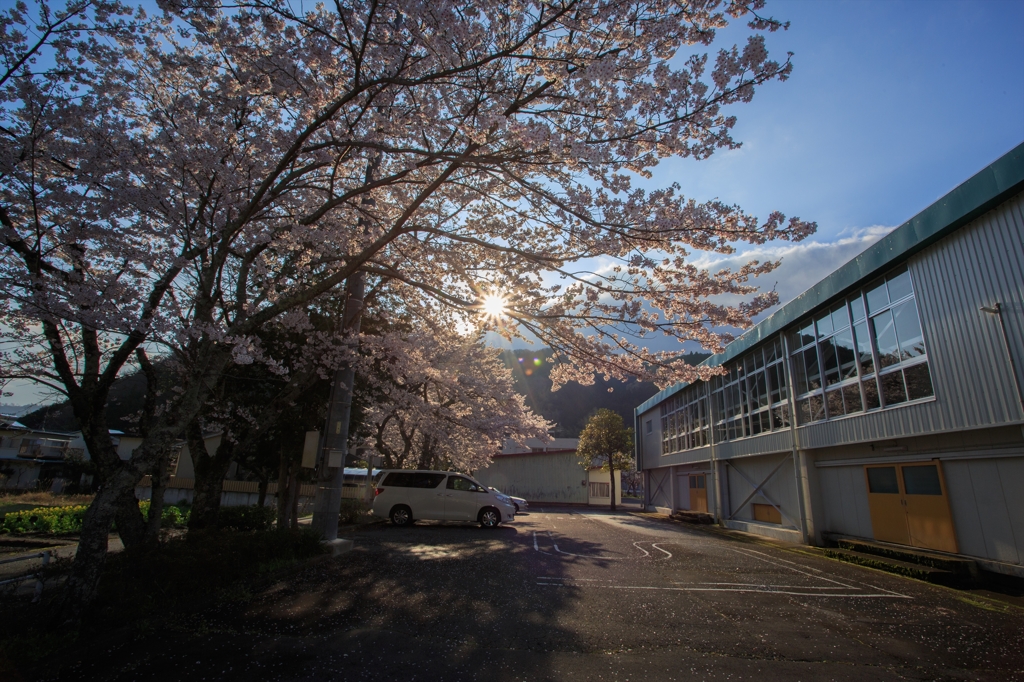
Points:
point(293, 494)
point(611, 471)
point(210, 471)
point(80, 587)
point(161, 472)
point(327, 507)
point(131, 526)
point(283, 498)
point(262, 500)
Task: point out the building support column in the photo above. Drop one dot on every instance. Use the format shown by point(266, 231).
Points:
point(800, 479)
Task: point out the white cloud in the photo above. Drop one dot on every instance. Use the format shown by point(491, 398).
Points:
point(804, 264)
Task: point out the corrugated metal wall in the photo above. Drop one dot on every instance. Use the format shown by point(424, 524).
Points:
point(986, 497)
point(781, 488)
point(978, 265)
point(661, 488)
point(538, 477)
point(845, 501)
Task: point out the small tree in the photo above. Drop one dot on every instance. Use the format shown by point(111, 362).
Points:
point(606, 442)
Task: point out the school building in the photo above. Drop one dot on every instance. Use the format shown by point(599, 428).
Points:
point(884, 403)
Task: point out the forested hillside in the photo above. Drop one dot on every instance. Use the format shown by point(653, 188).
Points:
point(569, 407)
point(572, 405)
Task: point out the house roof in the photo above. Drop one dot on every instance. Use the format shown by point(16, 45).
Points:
point(985, 190)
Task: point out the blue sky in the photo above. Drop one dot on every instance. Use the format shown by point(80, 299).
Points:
point(891, 104)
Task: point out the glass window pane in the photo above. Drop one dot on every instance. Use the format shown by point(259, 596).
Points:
point(803, 410)
point(811, 363)
point(755, 424)
point(829, 362)
point(921, 480)
point(762, 390)
point(919, 381)
point(885, 339)
point(908, 330)
point(780, 417)
point(892, 388)
point(883, 480)
point(877, 297)
point(774, 372)
point(834, 402)
point(817, 407)
point(851, 398)
point(805, 335)
point(857, 308)
point(867, 363)
point(899, 284)
point(846, 354)
point(771, 352)
point(840, 319)
point(749, 361)
point(871, 401)
point(824, 325)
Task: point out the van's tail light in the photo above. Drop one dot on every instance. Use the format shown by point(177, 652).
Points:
point(377, 491)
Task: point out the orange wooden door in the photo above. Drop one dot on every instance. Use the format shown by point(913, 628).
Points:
point(928, 514)
point(698, 493)
point(885, 501)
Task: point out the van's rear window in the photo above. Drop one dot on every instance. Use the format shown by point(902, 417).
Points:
point(399, 479)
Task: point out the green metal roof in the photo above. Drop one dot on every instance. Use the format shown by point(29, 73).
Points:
point(982, 192)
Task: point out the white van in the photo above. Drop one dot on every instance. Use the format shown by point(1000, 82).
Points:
point(403, 495)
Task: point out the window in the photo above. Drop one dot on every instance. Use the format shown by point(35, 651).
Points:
point(401, 479)
point(684, 423)
point(600, 489)
point(460, 483)
point(753, 397)
point(862, 354)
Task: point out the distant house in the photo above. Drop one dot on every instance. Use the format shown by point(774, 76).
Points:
point(548, 472)
point(31, 457)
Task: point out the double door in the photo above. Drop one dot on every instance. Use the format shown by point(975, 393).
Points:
point(909, 505)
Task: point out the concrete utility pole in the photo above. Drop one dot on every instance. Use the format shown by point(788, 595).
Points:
point(334, 446)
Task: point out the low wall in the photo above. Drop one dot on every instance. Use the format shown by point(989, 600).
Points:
point(239, 493)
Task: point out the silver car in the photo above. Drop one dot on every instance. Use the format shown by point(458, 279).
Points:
point(520, 504)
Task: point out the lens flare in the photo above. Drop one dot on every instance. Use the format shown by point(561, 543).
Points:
point(493, 306)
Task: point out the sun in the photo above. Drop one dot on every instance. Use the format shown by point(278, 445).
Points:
point(493, 306)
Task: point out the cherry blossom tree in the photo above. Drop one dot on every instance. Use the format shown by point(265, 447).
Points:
point(438, 400)
point(194, 178)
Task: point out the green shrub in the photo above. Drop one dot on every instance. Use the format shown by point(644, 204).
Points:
point(52, 520)
point(246, 518)
point(352, 510)
point(58, 520)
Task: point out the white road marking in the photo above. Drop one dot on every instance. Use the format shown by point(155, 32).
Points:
point(582, 556)
point(637, 545)
point(662, 550)
point(892, 595)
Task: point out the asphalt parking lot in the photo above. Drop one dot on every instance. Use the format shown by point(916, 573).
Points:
point(584, 595)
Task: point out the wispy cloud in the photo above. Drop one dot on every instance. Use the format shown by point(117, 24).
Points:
point(804, 264)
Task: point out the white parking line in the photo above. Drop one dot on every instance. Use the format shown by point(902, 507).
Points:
point(888, 595)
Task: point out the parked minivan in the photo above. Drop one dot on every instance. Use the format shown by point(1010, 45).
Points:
point(403, 495)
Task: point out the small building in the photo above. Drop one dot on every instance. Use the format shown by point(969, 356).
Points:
point(549, 472)
point(30, 458)
point(884, 403)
